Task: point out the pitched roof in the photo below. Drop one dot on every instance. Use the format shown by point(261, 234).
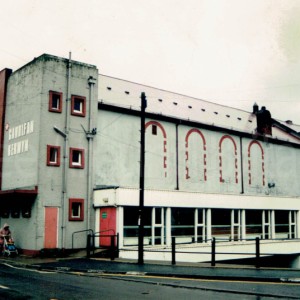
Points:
point(122, 93)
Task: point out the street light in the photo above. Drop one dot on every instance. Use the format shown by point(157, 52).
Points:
point(60, 132)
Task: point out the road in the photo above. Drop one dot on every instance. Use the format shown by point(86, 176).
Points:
point(18, 283)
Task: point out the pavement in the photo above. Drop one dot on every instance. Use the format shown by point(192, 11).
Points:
point(79, 263)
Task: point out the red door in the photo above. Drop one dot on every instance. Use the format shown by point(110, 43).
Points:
point(107, 225)
point(51, 220)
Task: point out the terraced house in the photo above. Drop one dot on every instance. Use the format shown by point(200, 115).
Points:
point(70, 162)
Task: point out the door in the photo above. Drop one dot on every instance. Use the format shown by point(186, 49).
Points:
point(51, 224)
point(107, 225)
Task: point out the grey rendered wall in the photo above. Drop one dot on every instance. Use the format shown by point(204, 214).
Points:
point(213, 163)
point(27, 100)
point(21, 151)
point(51, 178)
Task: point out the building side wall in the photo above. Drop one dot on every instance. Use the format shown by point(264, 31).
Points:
point(21, 137)
point(28, 109)
point(208, 161)
point(117, 151)
point(76, 179)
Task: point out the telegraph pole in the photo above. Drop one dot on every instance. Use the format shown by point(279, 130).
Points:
point(142, 181)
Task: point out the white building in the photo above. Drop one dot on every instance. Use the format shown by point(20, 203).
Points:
point(71, 152)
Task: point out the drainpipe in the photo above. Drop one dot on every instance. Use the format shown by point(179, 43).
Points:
point(90, 135)
point(177, 170)
point(242, 169)
point(66, 155)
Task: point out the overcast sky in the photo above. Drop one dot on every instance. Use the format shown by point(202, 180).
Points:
point(233, 52)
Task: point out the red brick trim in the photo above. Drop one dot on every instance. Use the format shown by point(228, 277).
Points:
point(235, 160)
point(197, 131)
point(83, 101)
point(262, 162)
point(49, 163)
point(73, 164)
point(81, 203)
point(164, 143)
point(50, 107)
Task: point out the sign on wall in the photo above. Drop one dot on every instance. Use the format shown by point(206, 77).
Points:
point(17, 141)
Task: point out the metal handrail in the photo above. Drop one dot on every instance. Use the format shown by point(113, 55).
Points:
point(86, 230)
point(99, 232)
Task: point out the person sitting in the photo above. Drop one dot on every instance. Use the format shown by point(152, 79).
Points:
point(5, 233)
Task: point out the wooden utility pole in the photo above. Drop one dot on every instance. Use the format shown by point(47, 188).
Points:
point(142, 182)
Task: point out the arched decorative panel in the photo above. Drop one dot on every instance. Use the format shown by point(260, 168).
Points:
point(222, 158)
point(251, 160)
point(198, 132)
point(158, 125)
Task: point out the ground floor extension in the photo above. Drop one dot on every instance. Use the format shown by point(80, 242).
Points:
point(194, 217)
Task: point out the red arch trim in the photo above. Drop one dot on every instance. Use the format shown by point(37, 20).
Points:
point(196, 131)
point(257, 143)
point(262, 162)
point(165, 141)
point(220, 157)
point(227, 137)
point(158, 125)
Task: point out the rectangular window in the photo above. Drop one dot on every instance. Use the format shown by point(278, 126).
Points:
point(76, 209)
point(53, 156)
point(55, 102)
point(76, 158)
point(154, 129)
point(78, 106)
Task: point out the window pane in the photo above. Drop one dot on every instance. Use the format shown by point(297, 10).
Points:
point(55, 101)
point(76, 157)
point(282, 223)
point(77, 104)
point(154, 129)
point(183, 223)
point(200, 216)
point(253, 223)
point(76, 208)
point(53, 155)
point(221, 223)
point(158, 215)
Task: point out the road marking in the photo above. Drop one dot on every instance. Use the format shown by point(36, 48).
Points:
point(4, 287)
point(134, 273)
point(290, 283)
point(22, 268)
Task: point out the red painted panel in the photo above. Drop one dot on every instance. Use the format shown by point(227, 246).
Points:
point(51, 220)
point(108, 224)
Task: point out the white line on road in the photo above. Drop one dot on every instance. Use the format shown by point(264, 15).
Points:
point(4, 287)
point(19, 268)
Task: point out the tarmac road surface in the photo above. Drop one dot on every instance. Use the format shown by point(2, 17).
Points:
point(19, 283)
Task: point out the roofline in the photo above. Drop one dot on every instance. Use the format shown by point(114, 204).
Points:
point(256, 136)
point(287, 129)
point(175, 93)
point(53, 57)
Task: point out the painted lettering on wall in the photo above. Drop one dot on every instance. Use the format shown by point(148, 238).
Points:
point(17, 132)
point(20, 130)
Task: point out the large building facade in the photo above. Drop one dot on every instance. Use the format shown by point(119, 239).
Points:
point(71, 162)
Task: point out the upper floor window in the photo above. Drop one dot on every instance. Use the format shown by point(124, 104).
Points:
point(78, 106)
point(55, 101)
point(154, 129)
point(76, 209)
point(76, 158)
point(53, 155)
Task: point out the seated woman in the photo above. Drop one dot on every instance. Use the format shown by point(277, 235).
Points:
point(5, 233)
